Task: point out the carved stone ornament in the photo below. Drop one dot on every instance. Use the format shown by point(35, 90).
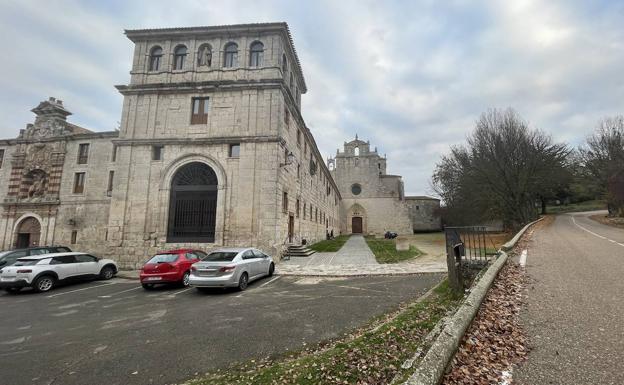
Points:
point(45, 129)
point(39, 157)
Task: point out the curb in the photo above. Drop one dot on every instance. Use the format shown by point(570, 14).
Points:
point(123, 274)
point(433, 366)
point(510, 245)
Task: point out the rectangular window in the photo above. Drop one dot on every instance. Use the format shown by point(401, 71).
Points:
point(114, 154)
point(157, 152)
point(285, 202)
point(1, 157)
point(79, 182)
point(297, 208)
point(74, 237)
point(304, 210)
point(298, 171)
point(299, 138)
point(286, 116)
point(111, 177)
point(199, 114)
point(235, 150)
point(83, 153)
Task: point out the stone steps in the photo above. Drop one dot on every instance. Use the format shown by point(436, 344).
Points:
point(298, 251)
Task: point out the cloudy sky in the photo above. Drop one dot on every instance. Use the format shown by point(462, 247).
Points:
point(410, 76)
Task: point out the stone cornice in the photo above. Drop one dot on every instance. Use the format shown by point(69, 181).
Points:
point(94, 135)
point(194, 87)
point(199, 141)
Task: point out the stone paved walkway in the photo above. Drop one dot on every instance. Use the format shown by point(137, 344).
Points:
point(354, 259)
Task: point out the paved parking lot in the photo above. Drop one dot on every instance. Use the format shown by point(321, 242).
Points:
point(114, 332)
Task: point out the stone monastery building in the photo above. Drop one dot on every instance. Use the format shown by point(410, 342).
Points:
point(212, 151)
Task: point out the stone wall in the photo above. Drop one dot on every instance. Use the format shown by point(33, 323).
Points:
point(424, 213)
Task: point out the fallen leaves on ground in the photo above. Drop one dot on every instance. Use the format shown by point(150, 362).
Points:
point(494, 343)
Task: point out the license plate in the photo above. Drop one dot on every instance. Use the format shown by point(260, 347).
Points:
point(7, 279)
point(153, 278)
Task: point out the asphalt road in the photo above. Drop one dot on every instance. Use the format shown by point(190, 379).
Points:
point(114, 332)
point(574, 313)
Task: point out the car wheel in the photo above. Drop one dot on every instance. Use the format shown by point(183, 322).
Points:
point(147, 286)
point(271, 269)
point(13, 290)
point(107, 273)
point(243, 281)
point(185, 279)
point(44, 283)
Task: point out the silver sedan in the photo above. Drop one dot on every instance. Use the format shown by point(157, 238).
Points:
point(231, 267)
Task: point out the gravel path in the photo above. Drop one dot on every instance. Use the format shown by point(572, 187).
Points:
point(574, 311)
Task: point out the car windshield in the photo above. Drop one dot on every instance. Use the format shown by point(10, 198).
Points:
point(26, 262)
point(223, 256)
point(163, 258)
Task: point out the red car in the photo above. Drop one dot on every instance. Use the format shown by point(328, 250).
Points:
point(171, 266)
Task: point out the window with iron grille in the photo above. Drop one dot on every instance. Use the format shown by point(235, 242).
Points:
point(83, 153)
point(199, 113)
point(79, 182)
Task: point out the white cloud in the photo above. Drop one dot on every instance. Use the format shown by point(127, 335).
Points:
point(411, 77)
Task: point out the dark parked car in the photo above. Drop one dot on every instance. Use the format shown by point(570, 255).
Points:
point(390, 235)
point(7, 258)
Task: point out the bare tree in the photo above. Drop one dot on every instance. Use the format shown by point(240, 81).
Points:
point(502, 172)
point(602, 159)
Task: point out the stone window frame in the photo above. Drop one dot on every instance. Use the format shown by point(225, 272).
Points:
point(285, 202)
point(109, 186)
point(256, 54)
point(83, 153)
point(179, 57)
point(1, 156)
point(158, 151)
point(154, 61)
point(297, 208)
point(203, 104)
point(74, 237)
point(230, 57)
point(80, 181)
point(231, 148)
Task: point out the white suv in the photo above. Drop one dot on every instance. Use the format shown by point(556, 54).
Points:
point(42, 272)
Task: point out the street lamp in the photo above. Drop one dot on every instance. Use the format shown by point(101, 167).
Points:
point(290, 158)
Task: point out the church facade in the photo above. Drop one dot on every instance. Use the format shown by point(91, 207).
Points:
point(212, 150)
point(374, 201)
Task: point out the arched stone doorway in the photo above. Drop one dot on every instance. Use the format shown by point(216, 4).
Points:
point(193, 204)
point(28, 233)
point(356, 219)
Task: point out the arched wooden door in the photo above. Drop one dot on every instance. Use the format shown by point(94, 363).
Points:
point(28, 233)
point(356, 225)
point(193, 204)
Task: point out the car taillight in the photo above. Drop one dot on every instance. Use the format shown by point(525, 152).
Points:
point(226, 269)
point(23, 271)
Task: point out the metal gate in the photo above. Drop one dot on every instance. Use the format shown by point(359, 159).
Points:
point(193, 205)
point(466, 247)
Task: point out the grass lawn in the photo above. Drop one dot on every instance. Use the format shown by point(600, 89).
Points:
point(371, 354)
point(330, 245)
point(385, 250)
point(577, 207)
